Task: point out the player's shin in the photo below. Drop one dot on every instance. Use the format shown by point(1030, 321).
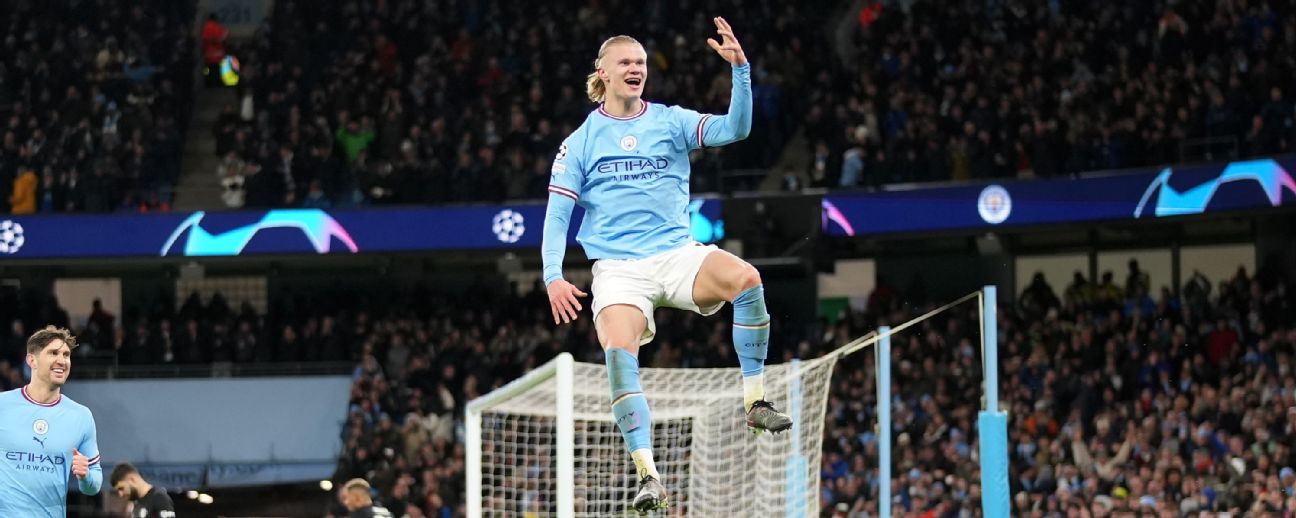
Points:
point(751, 341)
point(630, 408)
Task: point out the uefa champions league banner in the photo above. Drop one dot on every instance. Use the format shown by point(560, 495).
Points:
point(297, 231)
point(1146, 194)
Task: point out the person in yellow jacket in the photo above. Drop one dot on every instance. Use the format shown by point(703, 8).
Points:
point(23, 199)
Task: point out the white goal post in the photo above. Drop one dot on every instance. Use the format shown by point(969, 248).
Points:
point(557, 373)
point(546, 444)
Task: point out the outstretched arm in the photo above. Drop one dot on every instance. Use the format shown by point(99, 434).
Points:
point(736, 125)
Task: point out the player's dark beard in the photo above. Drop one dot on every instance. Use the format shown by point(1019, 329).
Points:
point(134, 495)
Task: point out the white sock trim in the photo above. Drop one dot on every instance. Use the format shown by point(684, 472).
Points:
point(644, 464)
point(627, 396)
point(753, 389)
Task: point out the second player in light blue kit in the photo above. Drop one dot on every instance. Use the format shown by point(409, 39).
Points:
point(627, 165)
point(46, 438)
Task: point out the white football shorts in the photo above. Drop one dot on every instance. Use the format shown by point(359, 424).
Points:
point(662, 280)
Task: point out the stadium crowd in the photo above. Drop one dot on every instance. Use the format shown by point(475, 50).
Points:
point(346, 103)
point(987, 89)
point(349, 103)
point(94, 98)
point(441, 101)
point(1118, 401)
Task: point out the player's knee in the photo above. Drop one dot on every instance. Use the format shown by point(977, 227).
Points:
point(748, 278)
point(622, 344)
point(624, 338)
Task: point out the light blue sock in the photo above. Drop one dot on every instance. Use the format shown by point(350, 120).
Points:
point(631, 412)
point(751, 330)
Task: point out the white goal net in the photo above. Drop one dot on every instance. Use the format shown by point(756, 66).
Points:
point(532, 454)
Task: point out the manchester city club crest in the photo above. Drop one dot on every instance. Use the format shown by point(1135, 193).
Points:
point(994, 204)
point(40, 427)
point(629, 142)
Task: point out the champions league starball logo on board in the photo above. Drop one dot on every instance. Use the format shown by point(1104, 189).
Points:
point(508, 226)
point(316, 225)
point(1194, 200)
point(11, 237)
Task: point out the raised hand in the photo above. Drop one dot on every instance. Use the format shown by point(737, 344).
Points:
point(80, 464)
point(728, 47)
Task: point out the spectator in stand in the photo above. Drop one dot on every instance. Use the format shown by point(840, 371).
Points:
point(23, 199)
point(1038, 299)
point(1137, 281)
point(354, 137)
point(213, 48)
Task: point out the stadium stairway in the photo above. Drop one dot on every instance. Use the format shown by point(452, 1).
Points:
point(796, 154)
point(198, 187)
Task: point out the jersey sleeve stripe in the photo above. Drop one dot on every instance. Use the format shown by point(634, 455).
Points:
point(700, 125)
point(94, 460)
point(564, 191)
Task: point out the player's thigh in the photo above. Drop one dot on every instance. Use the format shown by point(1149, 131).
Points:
point(621, 326)
point(627, 283)
point(722, 277)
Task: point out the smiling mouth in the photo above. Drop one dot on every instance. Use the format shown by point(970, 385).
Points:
point(59, 370)
point(634, 81)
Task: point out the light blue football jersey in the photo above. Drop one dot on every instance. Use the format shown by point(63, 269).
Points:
point(631, 175)
point(36, 442)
